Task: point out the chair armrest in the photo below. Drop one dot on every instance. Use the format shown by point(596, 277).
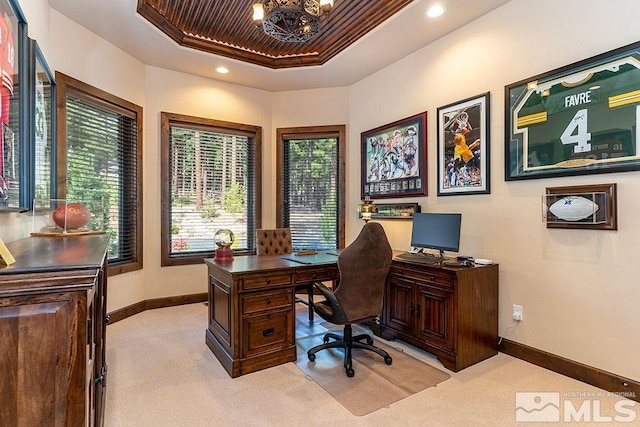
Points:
point(326, 292)
point(338, 313)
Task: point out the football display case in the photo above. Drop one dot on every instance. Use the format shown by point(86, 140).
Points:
point(584, 206)
point(62, 217)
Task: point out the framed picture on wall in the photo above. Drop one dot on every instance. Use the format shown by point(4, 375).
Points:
point(42, 99)
point(13, 142)
point(579, 119)
point(463, 147)
point(394, 159)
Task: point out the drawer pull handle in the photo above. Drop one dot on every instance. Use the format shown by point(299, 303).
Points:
point(268, 300)
point(268, 281)
point(267, 332)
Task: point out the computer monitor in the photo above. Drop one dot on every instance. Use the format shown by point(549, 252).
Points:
point(439, 231)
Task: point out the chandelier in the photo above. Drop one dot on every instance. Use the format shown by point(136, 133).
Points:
point(291, 20)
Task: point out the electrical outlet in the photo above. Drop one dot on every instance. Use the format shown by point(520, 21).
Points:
point(517, 313)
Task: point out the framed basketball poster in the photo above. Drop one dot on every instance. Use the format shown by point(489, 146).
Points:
point(463, 147)
point(579, 119)
point(394, 159)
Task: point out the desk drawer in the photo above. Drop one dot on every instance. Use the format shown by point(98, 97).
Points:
point(317, 274)
point(266, 280)
point(252, 303)
point(267, 332)
point(431, 276)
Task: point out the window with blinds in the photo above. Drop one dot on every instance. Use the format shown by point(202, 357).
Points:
point(101, 155)
point(209, 183)
point(312, 189)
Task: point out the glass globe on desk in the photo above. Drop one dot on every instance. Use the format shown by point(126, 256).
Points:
point(224, 238)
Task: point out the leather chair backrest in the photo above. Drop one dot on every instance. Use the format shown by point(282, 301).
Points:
point(364, 266)
point(275, 241)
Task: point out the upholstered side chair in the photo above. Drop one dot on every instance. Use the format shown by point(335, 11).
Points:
point(363, 267)
point(277, 241)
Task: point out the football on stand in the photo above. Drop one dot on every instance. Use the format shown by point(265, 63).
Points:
point(573, 208)
point(71, 216)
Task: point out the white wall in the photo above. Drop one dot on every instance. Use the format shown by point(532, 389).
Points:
point(579, 293)
point(580, 297)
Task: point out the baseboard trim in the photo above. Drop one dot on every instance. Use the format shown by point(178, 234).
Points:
point(613, 383)
point(150, 304)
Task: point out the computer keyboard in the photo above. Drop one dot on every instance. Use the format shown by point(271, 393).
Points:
point(421, 258)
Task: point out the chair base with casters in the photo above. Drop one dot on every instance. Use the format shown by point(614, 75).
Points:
point(348, 342)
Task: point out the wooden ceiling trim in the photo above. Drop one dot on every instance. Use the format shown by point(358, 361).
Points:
point(225, 27)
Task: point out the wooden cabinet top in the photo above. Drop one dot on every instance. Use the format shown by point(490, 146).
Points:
point(42, 254)
point(46, 264)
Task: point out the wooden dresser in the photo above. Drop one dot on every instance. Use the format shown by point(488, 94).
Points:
point(448, 311)
point(52, 332)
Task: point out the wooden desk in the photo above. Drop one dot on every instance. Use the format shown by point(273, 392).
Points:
point(252, 309)
point(450, 312)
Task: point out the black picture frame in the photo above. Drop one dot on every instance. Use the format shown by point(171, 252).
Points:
point(575, 120)
point(42, 101)
point(464, 146)
point(14, 143)
point(394, 159)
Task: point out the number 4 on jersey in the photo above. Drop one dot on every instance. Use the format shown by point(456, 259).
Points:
point(576, 133)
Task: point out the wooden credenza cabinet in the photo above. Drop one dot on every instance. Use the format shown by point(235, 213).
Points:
point(447, 311)
point(52, 332)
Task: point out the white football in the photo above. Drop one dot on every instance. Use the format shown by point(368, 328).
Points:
point(573, 208)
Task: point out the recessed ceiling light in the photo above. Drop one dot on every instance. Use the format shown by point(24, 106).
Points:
point(435, 11)
point(222, 70)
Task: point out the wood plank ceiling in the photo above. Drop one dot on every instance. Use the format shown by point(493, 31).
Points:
point(225, 27)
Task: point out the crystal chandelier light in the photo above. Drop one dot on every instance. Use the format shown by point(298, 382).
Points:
point(291, 20)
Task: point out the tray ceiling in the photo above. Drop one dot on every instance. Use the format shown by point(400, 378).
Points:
point(225, 27)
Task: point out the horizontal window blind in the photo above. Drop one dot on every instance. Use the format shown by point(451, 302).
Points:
point(211, 188)
point(102, 158)
point(310, 205)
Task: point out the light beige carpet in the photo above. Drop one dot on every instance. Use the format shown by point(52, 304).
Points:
point(375, 384)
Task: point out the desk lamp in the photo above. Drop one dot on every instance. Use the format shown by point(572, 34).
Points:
point(367, 208)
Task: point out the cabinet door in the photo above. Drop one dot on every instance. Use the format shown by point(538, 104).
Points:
point(399, 306)
point(220, 311)
point(36, 341)
point(435, 316)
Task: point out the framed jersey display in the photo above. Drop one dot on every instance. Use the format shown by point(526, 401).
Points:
point(579, 119)
point(13, 143)
point(394, 159)
point(463, 147)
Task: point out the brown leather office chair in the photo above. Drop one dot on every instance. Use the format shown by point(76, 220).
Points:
point(363, 267)
point(277, 241)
